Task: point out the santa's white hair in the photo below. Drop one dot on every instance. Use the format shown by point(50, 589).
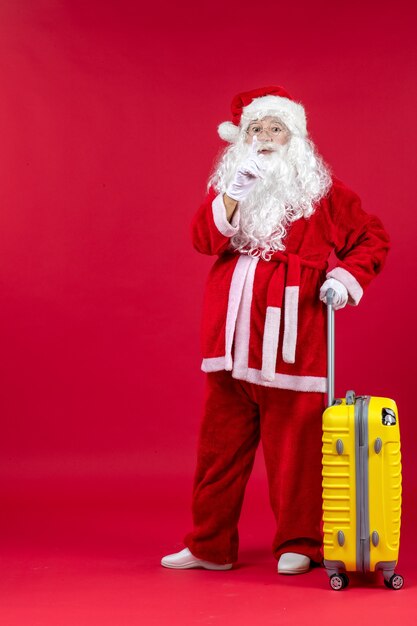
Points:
point(295, 178)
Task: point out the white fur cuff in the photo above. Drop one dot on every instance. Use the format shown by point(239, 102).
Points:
point(354, 289)
point(220, 220)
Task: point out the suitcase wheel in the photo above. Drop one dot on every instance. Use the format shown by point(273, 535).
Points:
point(395, 582)
point(339, 581)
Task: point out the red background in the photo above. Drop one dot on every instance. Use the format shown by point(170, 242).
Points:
point(108, 116)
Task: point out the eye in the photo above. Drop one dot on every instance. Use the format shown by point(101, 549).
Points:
point(256, 129)
point(276, 130)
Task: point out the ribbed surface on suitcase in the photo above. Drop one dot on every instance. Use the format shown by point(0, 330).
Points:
point(339, 489)
point(384, 483)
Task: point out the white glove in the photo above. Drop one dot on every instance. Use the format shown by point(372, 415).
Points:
point(247, 175)
point(340, 297)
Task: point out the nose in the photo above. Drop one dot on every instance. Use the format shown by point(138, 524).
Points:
point(266, 134)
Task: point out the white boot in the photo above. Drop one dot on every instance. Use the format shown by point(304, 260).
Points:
point(292, 563)
point(186, 560)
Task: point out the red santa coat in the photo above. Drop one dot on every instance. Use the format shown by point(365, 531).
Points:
point(263, 320)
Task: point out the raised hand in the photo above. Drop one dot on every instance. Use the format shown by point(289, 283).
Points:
point(248, 174)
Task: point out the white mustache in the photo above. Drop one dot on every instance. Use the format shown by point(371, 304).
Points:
point(264, 145)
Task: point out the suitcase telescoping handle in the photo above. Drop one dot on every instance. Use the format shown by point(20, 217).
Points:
point(350, 395)
point(330, 347)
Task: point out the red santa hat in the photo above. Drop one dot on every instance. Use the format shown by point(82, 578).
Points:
point(259, 103)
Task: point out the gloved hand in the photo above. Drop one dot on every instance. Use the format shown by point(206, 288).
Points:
point(247, 175)
point(340, 297)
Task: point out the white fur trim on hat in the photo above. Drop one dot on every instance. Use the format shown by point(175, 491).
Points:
point(291, 113)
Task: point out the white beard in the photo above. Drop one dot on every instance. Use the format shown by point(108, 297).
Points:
point(295, 179)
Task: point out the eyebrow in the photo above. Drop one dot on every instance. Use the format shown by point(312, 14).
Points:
point(273, 121)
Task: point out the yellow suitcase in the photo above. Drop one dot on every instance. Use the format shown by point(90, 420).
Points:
point(361, 483)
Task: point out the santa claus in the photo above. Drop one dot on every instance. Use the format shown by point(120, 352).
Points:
point(272, 215)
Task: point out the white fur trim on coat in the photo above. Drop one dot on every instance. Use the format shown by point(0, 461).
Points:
point(284, 381)
point(219, 216)
point(355, 291)
point(280, 381)
point(235, 296)
point(242, 334)
point(290, 324)
point(214, 364)
point(270, 342)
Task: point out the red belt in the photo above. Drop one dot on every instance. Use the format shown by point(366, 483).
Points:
point(285, 281)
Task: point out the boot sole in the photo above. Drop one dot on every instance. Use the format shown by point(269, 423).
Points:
point(194, 565)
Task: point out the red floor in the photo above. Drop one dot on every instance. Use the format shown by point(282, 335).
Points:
point(70, 558)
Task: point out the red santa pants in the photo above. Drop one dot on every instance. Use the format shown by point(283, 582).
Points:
point(237, 415)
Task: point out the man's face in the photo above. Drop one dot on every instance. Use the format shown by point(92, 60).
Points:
point(268, 129)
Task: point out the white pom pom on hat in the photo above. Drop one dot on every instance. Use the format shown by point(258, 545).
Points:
point(272, 100)
point(228, 131)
